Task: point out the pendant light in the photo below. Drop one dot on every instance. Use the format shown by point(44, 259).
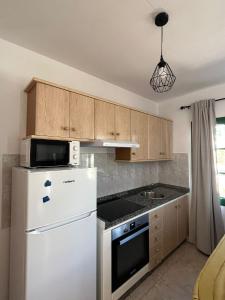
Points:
point(163, 78)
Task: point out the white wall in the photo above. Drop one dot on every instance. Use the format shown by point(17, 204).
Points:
point(17, 67)
point(182, 118)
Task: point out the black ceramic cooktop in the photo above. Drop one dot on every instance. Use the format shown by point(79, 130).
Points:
point(117, 208)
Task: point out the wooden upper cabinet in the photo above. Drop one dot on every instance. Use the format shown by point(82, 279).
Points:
point(139, 134)
point(48, 111)
point(166, 139)
point(122, 123)
point(104, 120)
point(58, 112)
point(154, 137)
point(81, 116)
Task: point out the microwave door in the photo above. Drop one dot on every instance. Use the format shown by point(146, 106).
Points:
point(47, 153)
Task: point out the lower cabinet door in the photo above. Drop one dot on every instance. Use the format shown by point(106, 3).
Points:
point(170, 238)
point(182, 219)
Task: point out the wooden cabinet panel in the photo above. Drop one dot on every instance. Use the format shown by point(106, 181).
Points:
point(52, 111)
point(156, 237)
point(170, 228)
point(154, 136)
point(81, 116)
point(182, 224)
point(166, 139)
point(104, 120)
point(122, 123)
point(139, 134)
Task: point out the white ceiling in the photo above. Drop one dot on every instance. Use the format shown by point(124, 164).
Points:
point(117, 40)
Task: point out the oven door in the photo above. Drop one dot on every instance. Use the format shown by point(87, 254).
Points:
point(48, 153)
point(129, 254)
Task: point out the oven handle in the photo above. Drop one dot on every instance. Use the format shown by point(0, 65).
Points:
point(130, 237)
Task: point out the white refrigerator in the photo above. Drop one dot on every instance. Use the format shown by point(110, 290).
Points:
point(53, 235)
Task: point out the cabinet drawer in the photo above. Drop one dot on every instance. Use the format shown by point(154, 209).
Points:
point(155, 260)
point(155, 238)
point(157, 248)
point(156, 226)
point(156, 216)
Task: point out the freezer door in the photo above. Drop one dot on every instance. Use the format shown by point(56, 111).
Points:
point(61, 262)
point(56, 195)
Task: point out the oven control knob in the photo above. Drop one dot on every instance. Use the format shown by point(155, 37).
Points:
point(75, 148)
point(74, 156)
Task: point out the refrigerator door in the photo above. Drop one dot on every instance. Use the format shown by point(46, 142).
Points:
point(56, 195)
point(61, 262)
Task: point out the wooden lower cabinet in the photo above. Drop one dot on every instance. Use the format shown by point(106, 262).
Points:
point(168, 228)
point(182, 219)
point(156, 237)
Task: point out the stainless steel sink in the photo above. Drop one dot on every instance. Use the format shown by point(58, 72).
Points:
point(152, 195)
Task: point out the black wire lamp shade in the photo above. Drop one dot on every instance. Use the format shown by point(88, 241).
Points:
point(162, 78)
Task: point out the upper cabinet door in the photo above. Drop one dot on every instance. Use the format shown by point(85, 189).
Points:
point(52, 111)
point(139, 134)
point(122, 123)
point(81, 117)
point(104, 120)
point(166, 139)
point(154, 134)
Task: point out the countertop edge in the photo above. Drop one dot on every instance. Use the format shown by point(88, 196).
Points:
point(139, 215)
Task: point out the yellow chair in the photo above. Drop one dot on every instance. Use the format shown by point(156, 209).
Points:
point(210, 284)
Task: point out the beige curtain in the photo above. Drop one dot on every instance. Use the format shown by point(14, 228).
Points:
point(206, 224)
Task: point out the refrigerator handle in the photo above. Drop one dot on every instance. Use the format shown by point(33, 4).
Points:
point(59, 224)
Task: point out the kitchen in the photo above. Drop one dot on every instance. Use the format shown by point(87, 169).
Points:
point(140, 147)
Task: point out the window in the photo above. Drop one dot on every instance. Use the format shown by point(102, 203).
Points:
point(220, 154)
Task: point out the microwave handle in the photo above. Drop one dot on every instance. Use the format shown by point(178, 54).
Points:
point(137, 233)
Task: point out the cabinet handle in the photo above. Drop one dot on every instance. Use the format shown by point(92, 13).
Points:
point(133, 153)
point(162, 153)
point(156, 216)
point(176, 206)
point(73, 129)
point(112, 133)
point(156, 227)
point(65, 128)
point(156, 239)
point(117, 133)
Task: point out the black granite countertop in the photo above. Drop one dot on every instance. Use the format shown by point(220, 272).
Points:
point(170, 193)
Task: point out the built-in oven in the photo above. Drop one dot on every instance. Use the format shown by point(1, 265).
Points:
point(130, 250)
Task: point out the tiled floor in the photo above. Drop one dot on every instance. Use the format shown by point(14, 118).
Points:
point(174, 279)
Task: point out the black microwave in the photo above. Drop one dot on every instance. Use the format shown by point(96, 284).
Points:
point(49, 153)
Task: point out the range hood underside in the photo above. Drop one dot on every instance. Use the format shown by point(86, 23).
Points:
point(111, 144)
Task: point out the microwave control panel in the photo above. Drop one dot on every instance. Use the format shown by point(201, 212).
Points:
point(74, 153)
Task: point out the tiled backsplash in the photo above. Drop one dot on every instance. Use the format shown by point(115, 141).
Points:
point(176, 171)
point(113, 176)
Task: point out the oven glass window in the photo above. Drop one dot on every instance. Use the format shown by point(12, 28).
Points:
point(49, 153)
point(128, 258)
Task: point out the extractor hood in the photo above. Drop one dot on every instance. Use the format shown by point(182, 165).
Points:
point(111, 144)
